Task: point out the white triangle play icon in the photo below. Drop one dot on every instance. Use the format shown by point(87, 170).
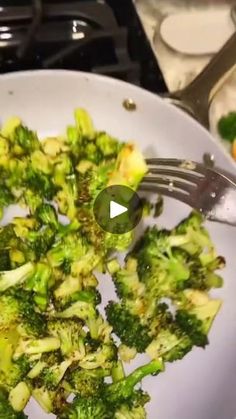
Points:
point(116, 209)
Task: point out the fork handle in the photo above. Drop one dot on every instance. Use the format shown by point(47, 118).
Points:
point(199, 93)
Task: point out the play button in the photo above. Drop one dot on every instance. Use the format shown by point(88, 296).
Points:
point(118, 209)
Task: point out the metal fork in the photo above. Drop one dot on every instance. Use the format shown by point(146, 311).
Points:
point(204, 189)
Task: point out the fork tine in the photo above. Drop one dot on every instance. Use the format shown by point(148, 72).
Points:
point(163, 190)
point(171, 184)
point(184, 165)
point(189, 177)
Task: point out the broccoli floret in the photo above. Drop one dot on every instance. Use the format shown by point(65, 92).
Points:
point(127, 282)
point(40, 183)
point(51, 401)
point(124, 389)
point(41, 241)
point(63, 169)
point(24, 140)
point(227, 126)
point(127, 412)
point(203, 277)
point(40, 284)
point(170, 344)
point(34, 346)
point(46, 214)
point(6, 410)
point(67, 196)
point(69, 332)
point(87, 383)
point(109, 146)
point(16, 276)
point(86, 408)
point(128, 326)
point(104, 357)
point(70, 248)
point(80, 309)
point(11, 372)
point(52, 376)
point(197, 319)
point(84, 124)
point(16, 309)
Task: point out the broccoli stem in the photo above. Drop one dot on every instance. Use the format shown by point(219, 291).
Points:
point(16, 276)
point(123, 389)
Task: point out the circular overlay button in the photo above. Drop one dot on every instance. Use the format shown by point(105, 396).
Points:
point(118, 209)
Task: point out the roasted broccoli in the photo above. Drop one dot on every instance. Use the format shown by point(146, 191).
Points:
point(16, 277)
point(55, 343)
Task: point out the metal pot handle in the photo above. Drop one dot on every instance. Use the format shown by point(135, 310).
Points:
point(196, 97)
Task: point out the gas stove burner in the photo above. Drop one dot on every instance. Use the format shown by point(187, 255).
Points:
point(100, 37)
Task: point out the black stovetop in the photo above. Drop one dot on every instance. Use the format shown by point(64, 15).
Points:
point(104, 37)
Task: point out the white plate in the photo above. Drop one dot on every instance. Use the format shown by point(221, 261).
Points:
point(203, 384)
point(197, 32)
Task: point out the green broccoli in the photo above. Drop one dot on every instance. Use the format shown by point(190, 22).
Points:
point(109, 146)
point(16, 276)
point(40, 284)
point(11, 372)
point(17, 311)
point(82, 310)
point(196, 319)
point(36, 346)
point(52, 376)
point(51, 401)
point(122, 390)
point(86, 408)
point(63, 169)
point(170, 344)
point(40, 183)
point(69, 332)
point(67, 197)
point(84, 124)
point(41, 241)
point(47, 215)
point(87, 383)
point(6, 198)
point(104, 357)
point(71, 247)
point(227, 126)
point(6, 410)
point(128, 326)
point(24, 140)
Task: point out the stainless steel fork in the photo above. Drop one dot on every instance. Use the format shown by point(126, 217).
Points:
point(205, 189)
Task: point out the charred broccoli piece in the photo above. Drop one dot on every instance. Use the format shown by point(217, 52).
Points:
point(128, 326)
point(196, 318)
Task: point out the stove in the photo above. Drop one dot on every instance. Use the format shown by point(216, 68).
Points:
point(103, 37)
